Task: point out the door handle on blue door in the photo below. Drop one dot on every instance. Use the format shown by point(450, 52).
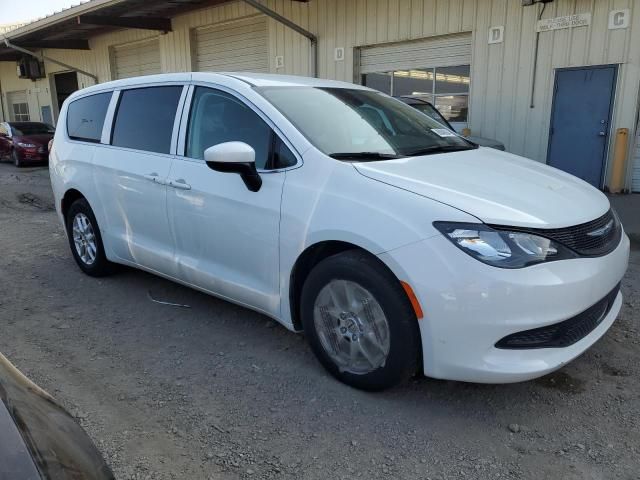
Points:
point(180, 184)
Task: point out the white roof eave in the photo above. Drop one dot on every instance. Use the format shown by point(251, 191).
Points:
point(61, 16)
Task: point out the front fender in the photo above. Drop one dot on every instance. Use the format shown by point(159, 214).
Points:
point(328, 200)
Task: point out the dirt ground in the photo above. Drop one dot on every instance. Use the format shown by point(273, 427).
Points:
point(219, 392)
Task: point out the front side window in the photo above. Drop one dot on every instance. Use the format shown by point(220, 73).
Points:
point(85, 117)
point(341, 122)
point(445, 87)
point(217, 117)
point(145, 118)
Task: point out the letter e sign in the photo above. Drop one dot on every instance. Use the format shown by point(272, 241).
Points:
point(496, 34)
point(619, 19)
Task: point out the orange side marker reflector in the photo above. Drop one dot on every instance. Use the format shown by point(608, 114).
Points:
point(413, 299)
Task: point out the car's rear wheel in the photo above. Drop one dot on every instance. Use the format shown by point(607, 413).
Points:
point(16, 159)
point(85, 240)
point(359, 321)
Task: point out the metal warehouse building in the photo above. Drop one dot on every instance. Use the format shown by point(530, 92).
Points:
point(556, 81)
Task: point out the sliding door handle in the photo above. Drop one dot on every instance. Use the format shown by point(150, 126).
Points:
point(180, 184)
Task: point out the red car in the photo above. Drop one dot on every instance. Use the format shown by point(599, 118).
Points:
point(25, 142)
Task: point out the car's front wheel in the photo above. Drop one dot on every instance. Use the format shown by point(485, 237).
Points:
point(85, 240)
point(359, 321)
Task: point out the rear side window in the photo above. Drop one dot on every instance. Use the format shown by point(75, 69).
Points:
point(85, 117)
point(145, 117)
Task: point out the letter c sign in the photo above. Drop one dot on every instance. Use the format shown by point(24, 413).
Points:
point(619, 19)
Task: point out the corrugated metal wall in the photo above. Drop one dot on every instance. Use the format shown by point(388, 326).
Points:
point(500, 75)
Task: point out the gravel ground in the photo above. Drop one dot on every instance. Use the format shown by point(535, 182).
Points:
point(219, 392)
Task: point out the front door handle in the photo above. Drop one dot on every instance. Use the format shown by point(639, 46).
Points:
point(153, 177)
point(602, 134)
point(180, 184)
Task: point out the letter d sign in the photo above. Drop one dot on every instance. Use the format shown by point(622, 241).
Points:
point(619, 19)
point(496, 34)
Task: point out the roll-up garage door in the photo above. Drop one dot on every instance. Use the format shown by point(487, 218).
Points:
point(135, 59)
point(18, 106)
point(448, 50)
point(240, 46)
point(635, 186)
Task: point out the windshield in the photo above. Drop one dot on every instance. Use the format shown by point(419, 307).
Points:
point(32, 128)
point(342, 121)
point(430, 110)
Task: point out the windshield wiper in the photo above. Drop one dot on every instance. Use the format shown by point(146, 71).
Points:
point(440, 149)
point(364, 156)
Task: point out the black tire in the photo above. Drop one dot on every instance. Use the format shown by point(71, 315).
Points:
point(16, 159)
point(404, 337)
point(100, 266)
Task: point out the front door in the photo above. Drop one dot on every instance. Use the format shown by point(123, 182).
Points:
point(226, 236)
point(580, 121)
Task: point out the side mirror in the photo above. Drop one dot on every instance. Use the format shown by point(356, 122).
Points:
point(235, 157)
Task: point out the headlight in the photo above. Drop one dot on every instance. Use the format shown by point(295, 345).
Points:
point(26, 145)
point(502, 248)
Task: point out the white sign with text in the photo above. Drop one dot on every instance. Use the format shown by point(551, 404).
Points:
point(569, 21)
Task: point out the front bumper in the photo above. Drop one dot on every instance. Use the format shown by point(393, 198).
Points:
point(469, 306)
point(33, 156)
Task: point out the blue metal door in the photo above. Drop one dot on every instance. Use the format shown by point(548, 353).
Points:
point(580, 119)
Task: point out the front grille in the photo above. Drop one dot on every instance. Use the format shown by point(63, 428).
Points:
point(592, 239)
point(565, 333)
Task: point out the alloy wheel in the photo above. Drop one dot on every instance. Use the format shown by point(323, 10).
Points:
point(352, 327)
point(84, 239)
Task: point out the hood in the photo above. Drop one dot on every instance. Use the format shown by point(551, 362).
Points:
point(495, 187)
point(41, 139)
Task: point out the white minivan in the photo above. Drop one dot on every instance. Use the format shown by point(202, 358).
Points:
point(396, 245)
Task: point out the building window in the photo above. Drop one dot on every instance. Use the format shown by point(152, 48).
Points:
point(21, 112)
point(445, 87)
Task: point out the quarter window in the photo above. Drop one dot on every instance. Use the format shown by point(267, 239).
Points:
point(145, 118)
point(85, 117)
point(282, 156)
point(217, 117)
